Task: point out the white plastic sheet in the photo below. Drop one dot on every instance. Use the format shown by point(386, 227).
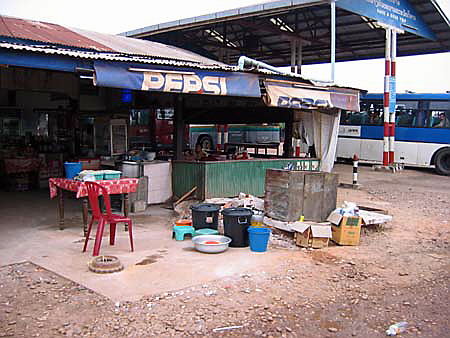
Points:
point(323, 129)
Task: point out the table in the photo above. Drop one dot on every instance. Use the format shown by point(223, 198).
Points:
point(59, 185)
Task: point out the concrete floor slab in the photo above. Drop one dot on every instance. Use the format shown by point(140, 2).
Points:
point(159, 263)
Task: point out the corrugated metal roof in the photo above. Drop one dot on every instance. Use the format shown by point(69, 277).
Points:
point(56, 35)
point(224, 15)
point(265, 32)
point(144, 47)
point(113, 57)
point(46, 32)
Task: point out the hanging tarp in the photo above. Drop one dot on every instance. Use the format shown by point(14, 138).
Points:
point(321, 131)
point(299, 96)
point(161, 78)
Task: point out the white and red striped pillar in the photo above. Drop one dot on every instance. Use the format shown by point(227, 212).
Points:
point(387, 72)
point(392, 98)
point(219, 137)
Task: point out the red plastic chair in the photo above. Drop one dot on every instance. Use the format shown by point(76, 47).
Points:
point(94, 191)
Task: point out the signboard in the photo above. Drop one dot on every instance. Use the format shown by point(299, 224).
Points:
point(392, 94)
point(162, 78)
point(351, 131)
point(288, 95)
point(396, 13)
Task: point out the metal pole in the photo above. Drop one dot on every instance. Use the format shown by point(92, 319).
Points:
point(333, 38)
point(387, 70)
point(355, 169)
point(293, 49)
point(392, 98)
point(299, 56)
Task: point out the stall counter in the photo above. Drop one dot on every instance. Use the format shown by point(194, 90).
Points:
point(229, 178)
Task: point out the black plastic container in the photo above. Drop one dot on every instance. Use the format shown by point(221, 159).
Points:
point(235, 224)
point(205, 215)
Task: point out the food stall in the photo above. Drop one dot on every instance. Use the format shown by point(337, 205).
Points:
point(314, 110)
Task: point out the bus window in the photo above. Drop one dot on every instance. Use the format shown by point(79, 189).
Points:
point(420, 119)
point(440, 119)
point(404, 118)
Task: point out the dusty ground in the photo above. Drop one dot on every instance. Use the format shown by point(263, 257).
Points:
point(399, 272)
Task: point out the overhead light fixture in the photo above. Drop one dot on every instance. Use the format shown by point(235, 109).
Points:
point(281, 25)
point(219, 37)
point(369, 22)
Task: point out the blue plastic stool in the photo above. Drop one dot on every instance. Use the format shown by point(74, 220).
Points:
point(179, 231)
point(206, 231)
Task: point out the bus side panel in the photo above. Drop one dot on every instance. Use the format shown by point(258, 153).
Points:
point(406, 152)
point(347, 147)
point(371, 150)
point(426, 151)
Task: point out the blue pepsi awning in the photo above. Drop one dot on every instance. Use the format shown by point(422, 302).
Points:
point(42, 61)
point(162, 78)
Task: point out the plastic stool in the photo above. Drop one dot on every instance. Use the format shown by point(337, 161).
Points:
point(206, 231)
point(179, 231)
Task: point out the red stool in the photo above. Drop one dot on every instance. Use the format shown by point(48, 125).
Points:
point(94, 191)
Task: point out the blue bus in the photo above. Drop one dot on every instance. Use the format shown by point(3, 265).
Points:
point(422, 131)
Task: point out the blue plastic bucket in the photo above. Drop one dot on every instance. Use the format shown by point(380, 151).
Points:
point(259, 237)
point(72, 169)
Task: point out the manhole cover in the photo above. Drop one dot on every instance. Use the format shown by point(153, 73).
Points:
point(105, 264)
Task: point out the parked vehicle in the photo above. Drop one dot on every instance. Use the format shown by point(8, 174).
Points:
point(422, 131)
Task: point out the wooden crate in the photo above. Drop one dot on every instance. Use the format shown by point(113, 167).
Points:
point(290, 194)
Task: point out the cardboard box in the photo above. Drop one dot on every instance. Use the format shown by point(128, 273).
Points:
point(312, 235)
point(345, 230)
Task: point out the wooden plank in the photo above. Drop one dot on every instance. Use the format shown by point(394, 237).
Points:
point(277, 178)
point(329, 194)
point(313, 197)
point(296, 195)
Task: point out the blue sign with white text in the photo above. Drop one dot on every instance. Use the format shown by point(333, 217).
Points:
point(396, 13)
point(392, 94)
point(162, 78)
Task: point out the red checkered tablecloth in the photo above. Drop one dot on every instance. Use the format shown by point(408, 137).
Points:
point(121, 186)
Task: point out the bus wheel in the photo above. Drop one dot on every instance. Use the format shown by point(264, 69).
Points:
point(442, 162)
point(205, 142)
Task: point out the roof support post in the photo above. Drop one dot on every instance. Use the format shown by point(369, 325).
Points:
point(392, 97)
point(299, 56)
point(293, 50)
point(333, 38)
point(387, 73)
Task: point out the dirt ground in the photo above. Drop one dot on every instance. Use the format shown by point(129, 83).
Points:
point(400, 272)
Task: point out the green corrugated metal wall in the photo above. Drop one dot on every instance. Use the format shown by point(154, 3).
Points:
point(227, 178)
point(185, 176)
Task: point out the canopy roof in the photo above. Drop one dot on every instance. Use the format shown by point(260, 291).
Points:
point(264, 32)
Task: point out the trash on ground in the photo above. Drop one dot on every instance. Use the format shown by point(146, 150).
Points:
point(218, 329)
point(371, 217)
point(282, 225)
point(312, 234)
point(243, 200)
point(345, 230)
point(397, 328)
